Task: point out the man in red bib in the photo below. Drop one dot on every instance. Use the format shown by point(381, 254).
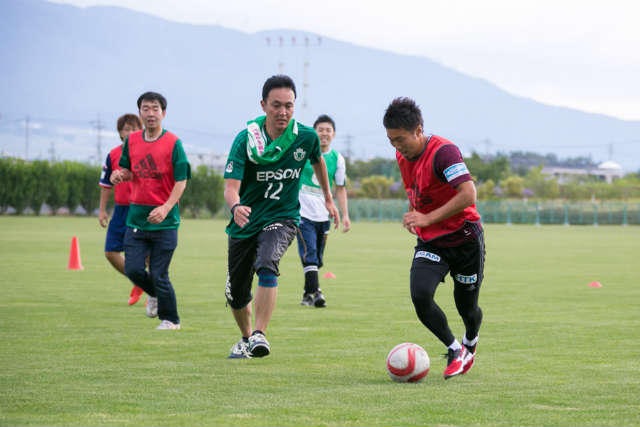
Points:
point(114, 244)
point(155, 162)
point(442, 214)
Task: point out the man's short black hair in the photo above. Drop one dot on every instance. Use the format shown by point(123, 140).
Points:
point(403, 113)
point(276, 82)
point(323, 118)
point(153, 96)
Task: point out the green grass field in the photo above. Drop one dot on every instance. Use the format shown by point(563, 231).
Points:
point(552, 350)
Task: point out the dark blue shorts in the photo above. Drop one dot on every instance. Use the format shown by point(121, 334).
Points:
point(117, 228)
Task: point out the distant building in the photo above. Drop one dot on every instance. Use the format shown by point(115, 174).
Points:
point(607, 171)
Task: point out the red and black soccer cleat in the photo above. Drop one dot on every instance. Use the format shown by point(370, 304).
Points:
point(456, 360)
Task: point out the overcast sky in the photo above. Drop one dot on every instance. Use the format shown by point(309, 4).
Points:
point(580, 54)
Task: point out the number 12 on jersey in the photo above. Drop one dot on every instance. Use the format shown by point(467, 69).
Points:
point(269, 194)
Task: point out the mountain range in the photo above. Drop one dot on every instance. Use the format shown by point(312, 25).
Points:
point(72, 71)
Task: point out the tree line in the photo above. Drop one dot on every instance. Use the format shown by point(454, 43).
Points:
point(68, 184)
point(500, 177)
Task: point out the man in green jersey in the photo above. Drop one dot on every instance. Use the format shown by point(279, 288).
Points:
point(314, 218)
point(262, 178)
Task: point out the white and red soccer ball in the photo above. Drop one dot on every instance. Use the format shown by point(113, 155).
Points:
point(408, 362)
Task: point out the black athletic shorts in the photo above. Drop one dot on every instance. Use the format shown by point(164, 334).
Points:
point(247, 256)
point(465, 263)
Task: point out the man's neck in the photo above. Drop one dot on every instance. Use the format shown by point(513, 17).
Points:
point(325, 149)
point(152, 134)
point(273, 134)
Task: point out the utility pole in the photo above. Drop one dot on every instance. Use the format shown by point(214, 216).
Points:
point(308, 42)
point(98, 126)
point(487, 143)
point(26, 137)
point(306, 104)
point(280, 56)
point(349, 150)
point(52, 152)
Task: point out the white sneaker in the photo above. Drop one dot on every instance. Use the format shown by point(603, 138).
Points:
point(167, 325)
point(259, 346)
point(152, 307)
point(240, 350)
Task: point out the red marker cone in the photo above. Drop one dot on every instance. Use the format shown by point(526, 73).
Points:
point(74, 256)
point(329, 275)
point(595, 285)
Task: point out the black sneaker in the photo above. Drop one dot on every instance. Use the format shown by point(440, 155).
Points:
point(307, 299)
point(318, 299)
point(258, 345)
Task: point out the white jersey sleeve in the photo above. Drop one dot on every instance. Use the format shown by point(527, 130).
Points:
point(341, 172)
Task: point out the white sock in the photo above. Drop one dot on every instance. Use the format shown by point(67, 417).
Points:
point(455, 345)
point(468, 343)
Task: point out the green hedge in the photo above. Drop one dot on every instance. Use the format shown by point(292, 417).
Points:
point(72, 184)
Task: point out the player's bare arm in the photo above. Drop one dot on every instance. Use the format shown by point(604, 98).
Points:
point(103, 216)
point(341, 195)
point(115, 177)
point(158, 214)
point(232, 199)
point(465, 197)
point(320, 169)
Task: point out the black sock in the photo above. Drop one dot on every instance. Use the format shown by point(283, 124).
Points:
point(257, 332)
point(311, 283)
point(245, 339)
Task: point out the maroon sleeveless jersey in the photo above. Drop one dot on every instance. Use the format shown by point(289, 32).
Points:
point(427, 192)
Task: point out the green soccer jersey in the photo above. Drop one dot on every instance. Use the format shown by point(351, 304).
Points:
point(312, 203)
point(309, 181)
point(270, 190)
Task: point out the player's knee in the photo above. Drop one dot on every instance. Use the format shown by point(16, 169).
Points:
point(237, 298)
point(112, 257)
point(267, 278)
point(160, 281)
point(134, 273)
point(422, 295)
point(238, 302)
point(267, 264)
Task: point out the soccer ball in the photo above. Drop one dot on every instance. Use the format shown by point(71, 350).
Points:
point(407, 362)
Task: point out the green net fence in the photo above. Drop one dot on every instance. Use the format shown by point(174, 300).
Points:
point(514, 212)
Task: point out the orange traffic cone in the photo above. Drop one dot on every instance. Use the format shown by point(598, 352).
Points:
point(74, 256)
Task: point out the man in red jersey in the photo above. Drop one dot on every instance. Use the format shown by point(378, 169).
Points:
point(114, 243)
point(442, 214)
point(155, 162)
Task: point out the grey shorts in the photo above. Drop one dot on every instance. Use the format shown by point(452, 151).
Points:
point(261, 251)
